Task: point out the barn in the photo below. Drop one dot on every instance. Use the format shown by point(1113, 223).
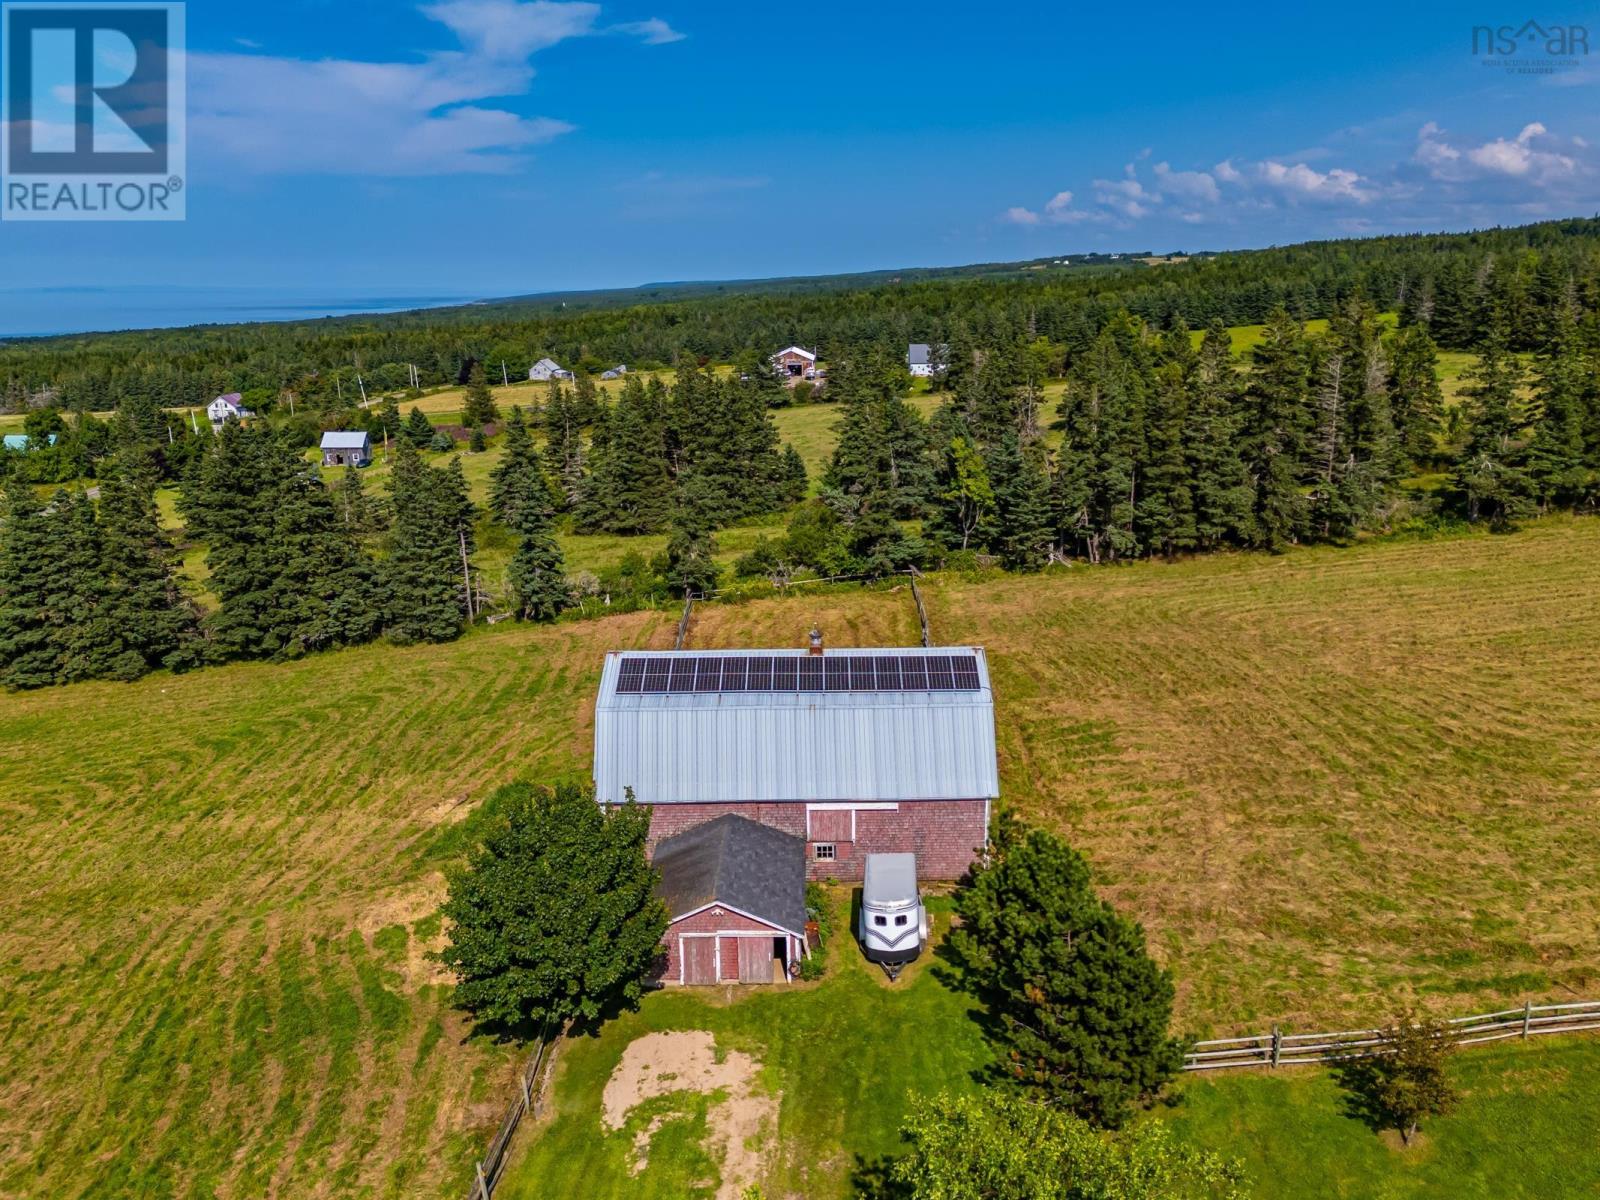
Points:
point(795, 363)
point(851, 752)
point(735, 892)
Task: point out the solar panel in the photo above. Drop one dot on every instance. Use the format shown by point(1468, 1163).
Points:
point(657, 674)
point(682, 675)
point(631, 677)
point(706, 673)
point(733, 674)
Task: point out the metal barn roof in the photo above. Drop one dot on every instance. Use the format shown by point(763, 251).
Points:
point(818, 746)
point(344, 439)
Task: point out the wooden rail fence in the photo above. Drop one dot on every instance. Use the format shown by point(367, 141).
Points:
point(1279, 1049)
point(526, 1100)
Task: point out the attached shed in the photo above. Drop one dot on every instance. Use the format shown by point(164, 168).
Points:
point(346, 448)
point(735, 892)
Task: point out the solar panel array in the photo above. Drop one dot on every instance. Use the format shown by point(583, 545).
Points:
point(676, 675)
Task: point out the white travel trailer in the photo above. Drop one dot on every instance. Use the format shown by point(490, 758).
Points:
point(894, 925)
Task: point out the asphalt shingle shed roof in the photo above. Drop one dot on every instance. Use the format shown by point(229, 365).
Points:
point(739, 863)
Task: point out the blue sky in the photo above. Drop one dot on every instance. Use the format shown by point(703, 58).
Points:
point(492, 147)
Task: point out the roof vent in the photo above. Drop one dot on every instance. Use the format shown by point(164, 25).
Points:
point(816, 641)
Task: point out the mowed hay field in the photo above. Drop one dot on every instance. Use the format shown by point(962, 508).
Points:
point(1325, 781)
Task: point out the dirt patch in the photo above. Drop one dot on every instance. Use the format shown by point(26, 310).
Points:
point(660, 1063)
point(407, 906)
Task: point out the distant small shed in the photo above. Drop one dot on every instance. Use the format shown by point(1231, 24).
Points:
point(735, 892)
point(346, 448)
point(616, 372)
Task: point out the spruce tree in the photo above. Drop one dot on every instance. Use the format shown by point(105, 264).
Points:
point(689, 562)
point(1220, 482)
point(1555, 455)
point(793, 473)
point(29, 654)
point(1490, 481)
point(424, 590)
point(537, 571)
point(1165, 515)
point(1417, 399)
point(1021, 504)
point(631, 487)
point(418, 430)
point(155, 624)
point(1078, 1008)
point(1274, 435)
point(478, 407)
point(82, 623)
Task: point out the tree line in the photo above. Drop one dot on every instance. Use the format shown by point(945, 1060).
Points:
point(1447, 281)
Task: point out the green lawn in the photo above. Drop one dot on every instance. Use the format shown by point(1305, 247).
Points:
point(1527, 1129)
point(841, 1057)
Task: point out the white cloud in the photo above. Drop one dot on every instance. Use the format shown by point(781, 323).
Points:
point(653, 32)
point(1017, 215)
point(1227, 172)
point(1521, 158)
point(1303, 182)
point(267, 114)
point(1188, 185)
point(1126, 197)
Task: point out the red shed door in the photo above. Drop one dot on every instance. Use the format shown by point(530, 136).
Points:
point(699, 955)
point(755, 960)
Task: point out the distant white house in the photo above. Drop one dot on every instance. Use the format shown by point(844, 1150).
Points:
point(616, 372)
point(546, 369)
point(346, 448)
point(919, 359)
point(223, 407)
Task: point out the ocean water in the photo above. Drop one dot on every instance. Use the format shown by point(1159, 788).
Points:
point(41, 312)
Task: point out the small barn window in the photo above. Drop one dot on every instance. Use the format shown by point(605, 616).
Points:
point(824, 850)
point(880, 920)
point(900, 920)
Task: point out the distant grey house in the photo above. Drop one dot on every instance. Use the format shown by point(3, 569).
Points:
point(616, 372)
point(346, 448)
point(919, 358)
point(547, 369)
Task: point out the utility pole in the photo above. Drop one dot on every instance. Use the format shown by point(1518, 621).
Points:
point(360, 384)
point(505, 380)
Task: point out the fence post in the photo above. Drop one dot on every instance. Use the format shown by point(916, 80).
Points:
point(483, 1184)
point(527, 1096)
point(1277, 1044)
point(1527, 1017)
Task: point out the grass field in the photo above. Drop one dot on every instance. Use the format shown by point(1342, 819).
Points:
point(1324, 781)
point(841, 1056)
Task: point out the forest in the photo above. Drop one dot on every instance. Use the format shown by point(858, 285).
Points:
point(1157, 440)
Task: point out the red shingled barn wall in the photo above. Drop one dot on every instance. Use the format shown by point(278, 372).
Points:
point(945, 835)
point(717, 919)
